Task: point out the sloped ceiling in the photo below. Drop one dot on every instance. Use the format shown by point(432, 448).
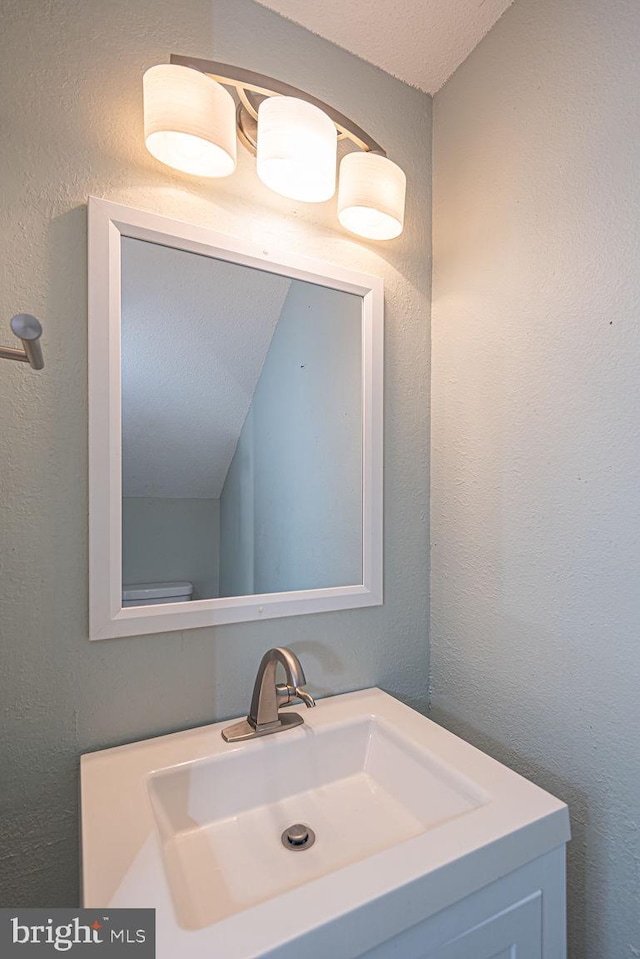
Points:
point(419, 41)
point(195, 334)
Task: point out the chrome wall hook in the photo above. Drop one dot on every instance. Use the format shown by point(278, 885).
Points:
point(28, 329)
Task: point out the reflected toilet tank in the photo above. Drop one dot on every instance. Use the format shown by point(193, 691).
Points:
point(152, 594)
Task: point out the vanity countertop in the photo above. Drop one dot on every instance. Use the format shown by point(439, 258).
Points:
point(159, 819)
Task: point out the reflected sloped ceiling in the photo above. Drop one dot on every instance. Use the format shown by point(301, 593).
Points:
point(195, 334)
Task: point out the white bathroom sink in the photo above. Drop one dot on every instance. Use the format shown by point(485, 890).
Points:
point(360, 785)
point(192, 825)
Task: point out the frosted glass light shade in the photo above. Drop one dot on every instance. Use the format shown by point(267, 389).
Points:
point(297, 149)
point(189, 121)
point(371, 196)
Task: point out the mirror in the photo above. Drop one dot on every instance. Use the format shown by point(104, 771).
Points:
point(235, 429)
point(241, 427)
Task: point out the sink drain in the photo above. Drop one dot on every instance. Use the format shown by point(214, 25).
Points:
point(298, 837)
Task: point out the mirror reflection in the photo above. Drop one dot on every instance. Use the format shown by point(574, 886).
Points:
point(241, 430)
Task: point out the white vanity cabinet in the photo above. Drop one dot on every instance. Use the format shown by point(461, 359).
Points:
point(521, 916)
point(425, 848)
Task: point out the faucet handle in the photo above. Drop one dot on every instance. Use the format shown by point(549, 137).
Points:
point(306, 697)
point(287, 693)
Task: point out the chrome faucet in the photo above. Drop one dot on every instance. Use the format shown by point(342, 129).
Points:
point(268, 696)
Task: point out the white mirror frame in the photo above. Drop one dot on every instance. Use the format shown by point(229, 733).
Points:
point(108, 222)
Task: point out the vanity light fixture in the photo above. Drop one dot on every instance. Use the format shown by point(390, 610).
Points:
point(297, 149)
point(371, 196)
point(191, 120)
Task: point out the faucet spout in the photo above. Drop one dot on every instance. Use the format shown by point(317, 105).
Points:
point(265, 699)
point(264, 717)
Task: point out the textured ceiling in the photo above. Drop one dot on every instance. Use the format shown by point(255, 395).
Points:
point(195, 333)
point(420, 41)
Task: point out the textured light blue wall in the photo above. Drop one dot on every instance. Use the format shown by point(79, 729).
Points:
point(71, 76)
point(536, 438)
point(291, 506)
point(237, 524)
point(166, 539)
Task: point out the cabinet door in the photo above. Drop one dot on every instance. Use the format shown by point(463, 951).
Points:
point(515, 933)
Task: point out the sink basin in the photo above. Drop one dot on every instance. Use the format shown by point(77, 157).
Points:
point(359, 785)
point(406, 816)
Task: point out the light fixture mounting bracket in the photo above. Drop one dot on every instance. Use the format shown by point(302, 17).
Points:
point(252, 87)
